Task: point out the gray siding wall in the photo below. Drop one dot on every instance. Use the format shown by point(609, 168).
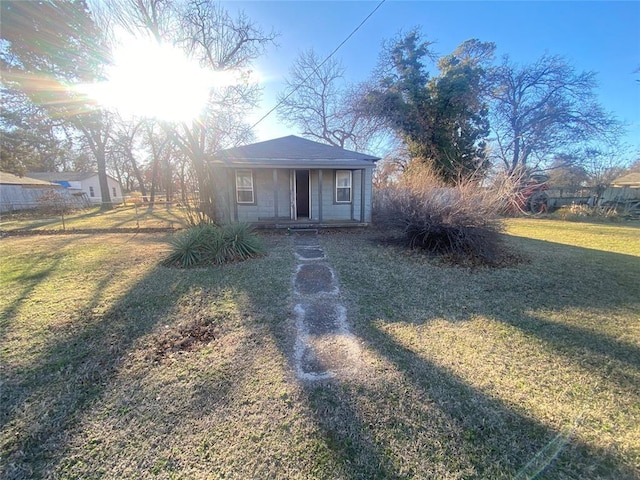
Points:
point(264, 206)
point(341, 211)
point(368, 194)
point(284, 195)
point(266, 199)
point(224, 196)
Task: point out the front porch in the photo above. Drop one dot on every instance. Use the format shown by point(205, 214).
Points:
point(281, 224)
point(293, 182)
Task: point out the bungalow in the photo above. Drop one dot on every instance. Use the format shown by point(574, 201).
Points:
point(86, 182)
point(292, 181)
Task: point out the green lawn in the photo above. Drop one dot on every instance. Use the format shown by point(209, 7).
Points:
point(116, 367)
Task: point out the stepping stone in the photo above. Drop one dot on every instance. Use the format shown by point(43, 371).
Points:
point(324, 346)
point(309, 253)
point(323, 317)
point(325, 356)
point(313, 278)
point(306, 241)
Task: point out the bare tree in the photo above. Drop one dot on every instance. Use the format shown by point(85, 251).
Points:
point(209, 35)
point(603, 165)
point(544, 109)
point(317, 100)
point(126, 141)
point(138, 17)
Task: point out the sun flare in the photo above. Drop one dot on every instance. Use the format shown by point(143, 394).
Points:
point(148, 79)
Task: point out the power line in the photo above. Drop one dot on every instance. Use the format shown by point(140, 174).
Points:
point(321, 64)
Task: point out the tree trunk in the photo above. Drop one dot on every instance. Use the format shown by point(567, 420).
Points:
point(136, 172)
point(154, 181)
point(205, 187)
point(102, 177)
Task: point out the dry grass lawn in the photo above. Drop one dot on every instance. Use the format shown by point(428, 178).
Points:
point(113, 366)
point(122, 217)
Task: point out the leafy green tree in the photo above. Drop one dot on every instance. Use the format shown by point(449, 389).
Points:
point(461, 110)
point(28, 138)
point(47, 47)
point(442, 120)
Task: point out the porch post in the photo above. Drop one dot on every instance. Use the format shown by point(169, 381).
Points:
point(231, 180)
point(275, 192)
point(320, 195)
point(362, 192)
point(353, 197)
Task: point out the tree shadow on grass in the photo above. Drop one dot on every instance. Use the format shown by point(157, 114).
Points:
point(500, 439)
point(559, 279)
point(34, 275)
point(486, 434)
point(600, 283)
point(42, 400)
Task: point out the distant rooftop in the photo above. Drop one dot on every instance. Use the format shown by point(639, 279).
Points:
point(630, 179)
point(61, 176)
point(10, 179)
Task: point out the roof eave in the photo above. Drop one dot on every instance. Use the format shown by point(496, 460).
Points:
point(294, 163)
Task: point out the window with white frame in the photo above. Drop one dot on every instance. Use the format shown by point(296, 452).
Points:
point(91, 192)
point(244, 186)
point(343, 186)
point(114, 191)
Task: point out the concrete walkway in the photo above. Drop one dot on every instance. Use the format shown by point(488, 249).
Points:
point(324, 346)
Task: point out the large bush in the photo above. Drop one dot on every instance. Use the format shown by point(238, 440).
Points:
point(209, 244)
point(459, 221)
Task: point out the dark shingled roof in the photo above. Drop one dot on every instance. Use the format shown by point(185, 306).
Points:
point(294, 151)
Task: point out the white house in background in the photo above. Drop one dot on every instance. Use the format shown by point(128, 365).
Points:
point(24, 193)
point(86, 182)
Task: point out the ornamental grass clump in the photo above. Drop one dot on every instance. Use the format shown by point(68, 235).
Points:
point(458, 221)
point(209, 244)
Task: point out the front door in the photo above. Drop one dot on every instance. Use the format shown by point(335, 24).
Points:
point(302, 194)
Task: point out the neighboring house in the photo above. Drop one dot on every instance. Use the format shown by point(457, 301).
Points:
point(86, 182)
point(24, 193)
point(629, 180)
point(291, 180)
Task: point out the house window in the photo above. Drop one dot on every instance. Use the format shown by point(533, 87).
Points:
point(244, 186)
point(114, 192)
point(343, 186)
point(92, 193)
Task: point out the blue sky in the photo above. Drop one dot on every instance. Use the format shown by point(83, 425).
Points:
point(594, 35)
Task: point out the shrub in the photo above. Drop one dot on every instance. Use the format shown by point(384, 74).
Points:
point(239, 242)
point(459, 221)
point(55, 203)
point(209, 244)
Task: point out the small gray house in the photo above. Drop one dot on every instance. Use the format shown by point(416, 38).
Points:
point(292, 181)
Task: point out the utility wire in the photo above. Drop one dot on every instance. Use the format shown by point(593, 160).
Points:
point(323, 62)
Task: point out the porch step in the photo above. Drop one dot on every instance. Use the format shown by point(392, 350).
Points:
point(312, 227)
point(304, 230)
